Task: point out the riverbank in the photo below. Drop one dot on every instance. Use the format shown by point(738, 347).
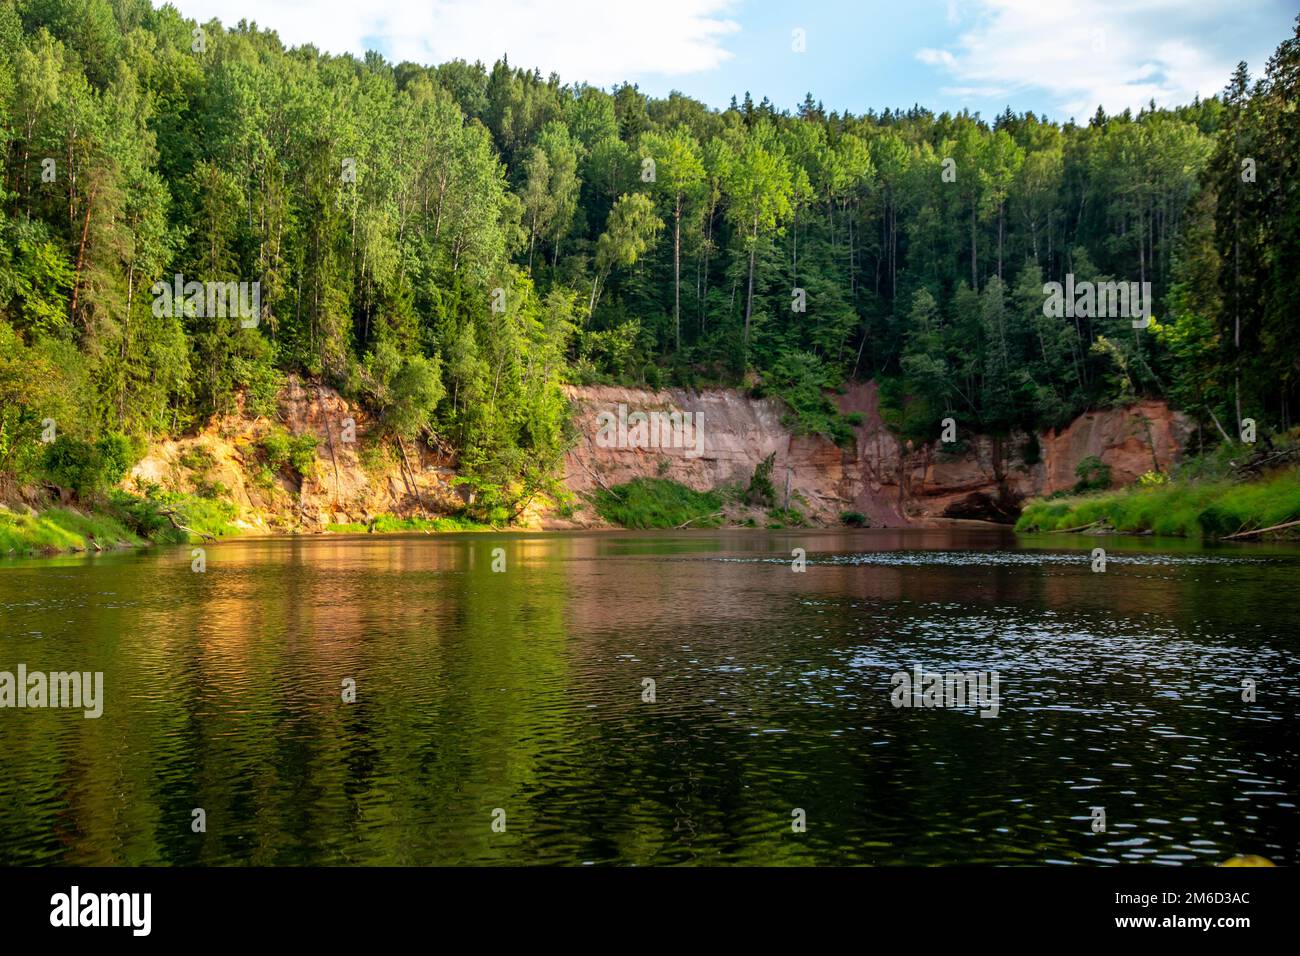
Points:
point(1264, 507)
point(320, 464)
point(1268, 507)
point(26, 532)
point(118, 520)
point(61, 530)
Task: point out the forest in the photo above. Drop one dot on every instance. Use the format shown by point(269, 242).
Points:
point(449, 245)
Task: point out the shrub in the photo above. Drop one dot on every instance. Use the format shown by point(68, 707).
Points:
point(658, 503)
point(212, 490)
point(785, 517)
point(294, 452)
point(275, 448)
point(88, 469)
point(800, 379)
point(199, 458)
point(853, 519)
point(302, 454)
point(1093, 475)
point(760, 491)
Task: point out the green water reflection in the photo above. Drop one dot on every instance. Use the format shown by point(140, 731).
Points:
point(523, 691)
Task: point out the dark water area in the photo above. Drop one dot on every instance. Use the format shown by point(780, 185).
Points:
point(524, 691)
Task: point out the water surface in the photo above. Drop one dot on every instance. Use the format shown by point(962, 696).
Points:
point(522, 691)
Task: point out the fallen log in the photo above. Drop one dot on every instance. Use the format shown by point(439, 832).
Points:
point(716, 514)
point(171, 516)
point(1082, 527)
point(1276, 527)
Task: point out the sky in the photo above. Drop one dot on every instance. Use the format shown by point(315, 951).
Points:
point(1059, 58)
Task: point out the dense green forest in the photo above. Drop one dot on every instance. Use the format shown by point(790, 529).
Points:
point(450, 244)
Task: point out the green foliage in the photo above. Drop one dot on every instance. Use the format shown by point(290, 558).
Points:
point(853, 519)
point(405, 390)
point(801, 380)
point(198, 458)
point(785, 518)
point(658, 503)
point(60, 529)
point(296, 453)
point(500, 240)
point(1183, 507)
point(159, 515)
point(760, 491)
point(390, 524)
point(1093, 475)
point(89, 469)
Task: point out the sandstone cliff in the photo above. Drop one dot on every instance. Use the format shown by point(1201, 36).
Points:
point(892, 484)
point(351, 481)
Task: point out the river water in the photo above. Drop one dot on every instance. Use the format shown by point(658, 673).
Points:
point(507, 716)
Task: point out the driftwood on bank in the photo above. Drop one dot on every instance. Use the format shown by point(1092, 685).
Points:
point(1082, 527)
point(171, 516)
point(1275, 527)
point(1259, 463)
point(716, 514)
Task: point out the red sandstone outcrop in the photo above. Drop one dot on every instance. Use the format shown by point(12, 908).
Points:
point(892, 484)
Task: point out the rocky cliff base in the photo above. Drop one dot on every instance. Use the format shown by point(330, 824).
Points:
point(891, 483)
point(355, 477)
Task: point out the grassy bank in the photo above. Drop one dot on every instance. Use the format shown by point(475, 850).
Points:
point(658, 503)
point(117, 520)
point(61, 529)
point(1187, 508)
point(392, 524)
point(133, 521)
point(646, 503)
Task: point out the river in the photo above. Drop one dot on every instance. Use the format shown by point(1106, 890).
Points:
point(503, 708)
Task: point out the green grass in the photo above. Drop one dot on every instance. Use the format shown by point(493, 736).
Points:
point(658, 503)
point(60, 529)
point(389, 524)
point(1192, 509)
point(779, 518)
point(143, 514)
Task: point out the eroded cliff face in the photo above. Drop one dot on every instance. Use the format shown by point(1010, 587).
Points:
point(892, 484)
point(351, 481)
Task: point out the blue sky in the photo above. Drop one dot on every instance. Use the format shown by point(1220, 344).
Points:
point(1058, 57)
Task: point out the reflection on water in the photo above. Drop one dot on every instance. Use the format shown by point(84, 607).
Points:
point(523, 691)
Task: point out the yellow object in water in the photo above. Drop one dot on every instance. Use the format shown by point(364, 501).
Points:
point(1247, 860)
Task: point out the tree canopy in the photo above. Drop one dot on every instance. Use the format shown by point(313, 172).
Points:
point(452, 243)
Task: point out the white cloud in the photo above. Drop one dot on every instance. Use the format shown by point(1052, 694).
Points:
point(1116, 53)
point(594, 41)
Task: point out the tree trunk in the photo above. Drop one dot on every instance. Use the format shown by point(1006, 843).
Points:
point(749, 295)
point(1000, 206)
point(81, 255)
point(677, 271)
